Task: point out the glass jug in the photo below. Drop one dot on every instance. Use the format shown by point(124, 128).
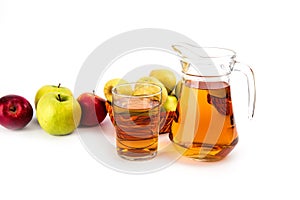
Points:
point(204, 126)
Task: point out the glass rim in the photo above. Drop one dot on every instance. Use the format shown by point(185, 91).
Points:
point(137, 96)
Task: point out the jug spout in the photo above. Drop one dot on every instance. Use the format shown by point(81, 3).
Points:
point(185, 65)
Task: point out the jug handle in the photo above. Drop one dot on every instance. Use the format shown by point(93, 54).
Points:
point(248, 72)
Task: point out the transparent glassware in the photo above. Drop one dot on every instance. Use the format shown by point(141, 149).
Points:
point(204, 127)
point(136, 112)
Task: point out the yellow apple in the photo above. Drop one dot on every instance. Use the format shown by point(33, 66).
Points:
point(109, 86)
point(153, 80)
point(166, 77)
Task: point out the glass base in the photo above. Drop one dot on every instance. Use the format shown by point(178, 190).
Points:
point(137, 156)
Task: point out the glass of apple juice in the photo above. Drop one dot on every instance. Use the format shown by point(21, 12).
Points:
point(136, 112)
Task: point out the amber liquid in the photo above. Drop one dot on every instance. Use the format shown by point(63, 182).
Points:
point(137, 128)
point(204, 126)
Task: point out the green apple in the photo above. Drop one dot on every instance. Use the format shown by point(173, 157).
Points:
point(171, 103)
point(50, 88)
point(58, 114)
point(166, 77)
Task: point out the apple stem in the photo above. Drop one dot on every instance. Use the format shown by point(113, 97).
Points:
point(59, 98)
point(58, 85)
point(13, 109)
point(93, 92)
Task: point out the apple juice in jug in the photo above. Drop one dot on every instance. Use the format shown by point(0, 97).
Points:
point(204, 127)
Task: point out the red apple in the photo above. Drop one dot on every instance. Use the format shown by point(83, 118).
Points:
point(93, 109)
point(15, 112)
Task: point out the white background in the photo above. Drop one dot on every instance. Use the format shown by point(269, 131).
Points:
point(46, 42)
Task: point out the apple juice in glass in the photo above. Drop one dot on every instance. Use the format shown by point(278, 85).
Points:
point(136, 111)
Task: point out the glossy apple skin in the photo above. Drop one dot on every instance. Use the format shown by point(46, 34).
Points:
point(58, 114)
point(15, 112)
point(50, 88)
point(93, 109)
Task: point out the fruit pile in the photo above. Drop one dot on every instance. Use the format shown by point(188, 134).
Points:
point(164, 78)
point(58, 112)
